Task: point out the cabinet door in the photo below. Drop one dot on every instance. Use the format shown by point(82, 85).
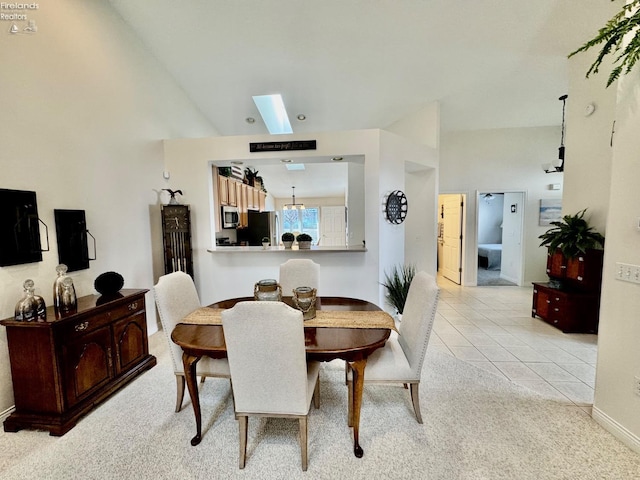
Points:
point(244, 202)
point(223, 190)
point(541, 302)
point(87, 363)
point(232, 192)
point(263, 200)
point(556, 266)
point(130, 341)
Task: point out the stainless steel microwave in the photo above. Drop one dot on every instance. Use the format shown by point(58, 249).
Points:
point(230, 217)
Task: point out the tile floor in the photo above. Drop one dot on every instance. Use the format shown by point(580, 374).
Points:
point(492, 328)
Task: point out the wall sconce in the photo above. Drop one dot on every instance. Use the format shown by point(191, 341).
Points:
point(558, 165)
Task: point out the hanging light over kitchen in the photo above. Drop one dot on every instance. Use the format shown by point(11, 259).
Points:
point(293, 205)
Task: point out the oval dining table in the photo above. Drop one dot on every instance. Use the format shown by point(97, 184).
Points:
point(353, 345)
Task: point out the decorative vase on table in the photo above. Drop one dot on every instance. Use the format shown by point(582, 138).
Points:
point(64, 294)
point(304, 299)
point(267, 290)
point(31, 307)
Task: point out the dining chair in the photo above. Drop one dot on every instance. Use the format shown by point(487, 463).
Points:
point(176, 297)
point(402, 357)
point(298, 272)
point(270, 375)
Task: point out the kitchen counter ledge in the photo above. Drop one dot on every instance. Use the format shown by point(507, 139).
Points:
point(294, 249)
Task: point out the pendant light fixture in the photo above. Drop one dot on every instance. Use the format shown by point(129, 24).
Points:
point(558, 165)
point(293, 205)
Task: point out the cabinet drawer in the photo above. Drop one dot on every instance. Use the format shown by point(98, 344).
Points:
point(78, 327)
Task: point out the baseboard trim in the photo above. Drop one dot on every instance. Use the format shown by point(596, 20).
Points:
point(6, 413)
point(619, 431)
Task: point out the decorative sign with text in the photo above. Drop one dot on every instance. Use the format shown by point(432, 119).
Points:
point(282, 146)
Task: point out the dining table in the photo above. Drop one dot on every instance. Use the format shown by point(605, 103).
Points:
point(344, 328)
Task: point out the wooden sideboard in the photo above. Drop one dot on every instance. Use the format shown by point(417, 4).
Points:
point(571, 300)
point(62, 368)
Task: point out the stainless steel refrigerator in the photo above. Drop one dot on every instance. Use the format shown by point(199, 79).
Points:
point(260, 225)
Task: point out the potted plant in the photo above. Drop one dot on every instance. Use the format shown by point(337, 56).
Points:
point(575, 253)
point(265, 242)
point(250, 174)
point(304, 241)
point(573, 236)
point(397, 284)
point(287, 239)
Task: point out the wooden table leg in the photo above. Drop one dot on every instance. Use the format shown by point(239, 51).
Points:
point(190, 362)
point(357, 369)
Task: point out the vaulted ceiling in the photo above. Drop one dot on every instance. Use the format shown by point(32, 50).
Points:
point(352, 64)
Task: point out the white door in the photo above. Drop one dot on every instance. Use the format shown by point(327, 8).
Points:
point(332, 227)
point(452, 237)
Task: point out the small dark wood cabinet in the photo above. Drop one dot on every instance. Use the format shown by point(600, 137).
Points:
point(571, 300)
point(62, 368)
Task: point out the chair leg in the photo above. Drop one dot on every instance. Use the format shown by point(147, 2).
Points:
point(303, 442)
point(350, 403)
point(416, 401)
point(179, 391)
point(202, 379)
point(242, 428)
point(346, 373)
point(316, 394)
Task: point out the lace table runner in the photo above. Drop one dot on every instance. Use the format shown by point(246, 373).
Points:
point(324, 318)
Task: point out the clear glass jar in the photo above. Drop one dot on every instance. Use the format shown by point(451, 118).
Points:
point(304, 299)
point(267, 290)
point(31, 307)
point(64, 293)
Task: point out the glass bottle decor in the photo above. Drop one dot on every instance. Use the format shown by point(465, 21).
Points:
point(64, 293)
point(31, 307)
point(267, 290)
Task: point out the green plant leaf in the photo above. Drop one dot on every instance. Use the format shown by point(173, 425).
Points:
point(624, 25)
point(397, 284)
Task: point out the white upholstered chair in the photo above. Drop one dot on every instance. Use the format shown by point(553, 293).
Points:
point(176, 297)
point(270, 375)
point(298, 272)
point(401, 359)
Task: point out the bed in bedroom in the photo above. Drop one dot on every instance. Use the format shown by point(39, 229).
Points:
point(490, 255)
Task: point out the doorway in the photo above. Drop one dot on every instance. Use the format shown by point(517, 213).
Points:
point(499, 238)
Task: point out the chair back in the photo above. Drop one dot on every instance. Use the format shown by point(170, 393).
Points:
point(417, 319)
point(176, 297)
point(267, 359)
point(298, 272)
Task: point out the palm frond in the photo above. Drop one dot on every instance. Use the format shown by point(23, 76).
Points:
point(625, 23)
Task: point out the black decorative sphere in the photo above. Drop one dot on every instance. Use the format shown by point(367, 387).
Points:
point(108, 283)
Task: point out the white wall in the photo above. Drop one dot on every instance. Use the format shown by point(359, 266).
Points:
point(616, 406)
point(604, 179)
point(502, 160)
point(490, 219)
point(81, 126)
point(222, 275)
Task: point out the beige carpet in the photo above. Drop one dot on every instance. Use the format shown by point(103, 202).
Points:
point(476, 426)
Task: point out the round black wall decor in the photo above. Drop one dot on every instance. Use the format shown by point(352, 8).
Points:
point(396, 207)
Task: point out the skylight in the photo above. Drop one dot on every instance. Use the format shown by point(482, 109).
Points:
point(295, 166)
point(271, 107)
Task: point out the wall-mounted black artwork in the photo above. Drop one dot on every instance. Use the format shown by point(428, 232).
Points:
point(71, 232)
point(19, 228)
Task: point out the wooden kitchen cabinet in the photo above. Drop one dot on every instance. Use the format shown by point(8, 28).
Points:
point(570, 311)
point(583, 272)
point(262, 200)
point(223, 190)
point(62, 368)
